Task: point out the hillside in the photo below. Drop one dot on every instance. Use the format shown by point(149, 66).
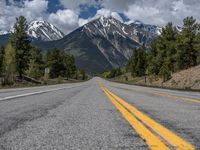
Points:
point(185, 79)
point(189, 78)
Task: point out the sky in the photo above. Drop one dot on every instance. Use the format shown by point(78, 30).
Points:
point(68, 15)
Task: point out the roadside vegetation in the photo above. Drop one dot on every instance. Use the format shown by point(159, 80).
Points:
point(21, 63)
point(170, 53)
point(113, 73)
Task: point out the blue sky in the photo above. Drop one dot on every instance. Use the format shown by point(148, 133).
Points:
point(54, 6)
point(71, 14)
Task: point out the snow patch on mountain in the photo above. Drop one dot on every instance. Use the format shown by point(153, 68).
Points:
point(40, 30)
point(153, 29)
point(123, 29)
point(43, 30)
point(4, 32)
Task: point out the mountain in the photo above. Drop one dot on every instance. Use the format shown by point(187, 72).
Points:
point(99, 45)
point(4, 39)
point(39, 30)
point(152, 29)
point(42, 30)
point(2, 32)
point(145, 32)
point(102, 44)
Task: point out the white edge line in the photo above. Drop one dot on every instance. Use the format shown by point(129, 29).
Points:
point(33, 93)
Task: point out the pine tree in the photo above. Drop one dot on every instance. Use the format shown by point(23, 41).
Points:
point(55, 63)
point(162, 55)
point(197, 47)
point(153, 66)
point(60, 63)
point(186, 50)
point(167, 47)
point(2, 52)
point(132, 62)
point(21, 43)
point(164, 72)
point(36, 65)
point(83, 74)
point(69, 62)
point(137, 63)
point(9, 64)
point(141, 62)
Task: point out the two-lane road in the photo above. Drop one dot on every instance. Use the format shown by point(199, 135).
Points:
point(98, 114)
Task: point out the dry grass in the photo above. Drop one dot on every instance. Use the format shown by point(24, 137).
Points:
point(186, 79)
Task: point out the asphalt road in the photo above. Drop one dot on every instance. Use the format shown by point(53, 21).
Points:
point(98, 114)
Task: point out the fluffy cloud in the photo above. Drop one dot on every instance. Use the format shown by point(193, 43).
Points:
point(116, 5)
point(107, 13)
point(148, 14)
point(155, 11)
point(35, 8)
point(66, 20)
point(32, 10)
point(101, 12)
point(74, 4)
point(82, 21)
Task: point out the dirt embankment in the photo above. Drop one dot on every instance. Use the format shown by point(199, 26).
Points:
point(189, 78)
point(185, 79)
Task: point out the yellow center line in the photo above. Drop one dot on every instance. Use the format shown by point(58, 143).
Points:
point(166, 134)
point(188, 99)
point(178, 97)
point(152, 141)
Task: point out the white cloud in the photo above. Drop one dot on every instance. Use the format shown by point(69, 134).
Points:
point(101, 12)
point(157, 12)
point(74, 4)
point(107, 13)
point(66, 20)
point(32, 10)
point(148, 14)
point(117, 5)
point(82, 21)
point(35, 7)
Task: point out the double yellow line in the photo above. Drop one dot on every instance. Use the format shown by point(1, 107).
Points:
point(178, 97)
point(155, 135)
point(171, 96)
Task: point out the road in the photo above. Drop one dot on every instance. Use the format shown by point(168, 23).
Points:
point(98, 114)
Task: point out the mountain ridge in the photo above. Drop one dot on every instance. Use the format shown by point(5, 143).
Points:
point(40, 30)
point(102, 44)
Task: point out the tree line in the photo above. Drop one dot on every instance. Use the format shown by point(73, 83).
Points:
point(112, 73)
point(19, 58)
point(170, 52)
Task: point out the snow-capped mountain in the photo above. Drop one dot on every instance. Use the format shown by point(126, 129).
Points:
point(40, 30)
point(102, 44)
point(99, 45)
point(156, 30)
point(179, 28)
point(120, 35)
point(43, 30)
point(4, 32)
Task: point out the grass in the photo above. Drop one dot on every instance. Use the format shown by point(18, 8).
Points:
point(136, 81)
point(49, 82)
